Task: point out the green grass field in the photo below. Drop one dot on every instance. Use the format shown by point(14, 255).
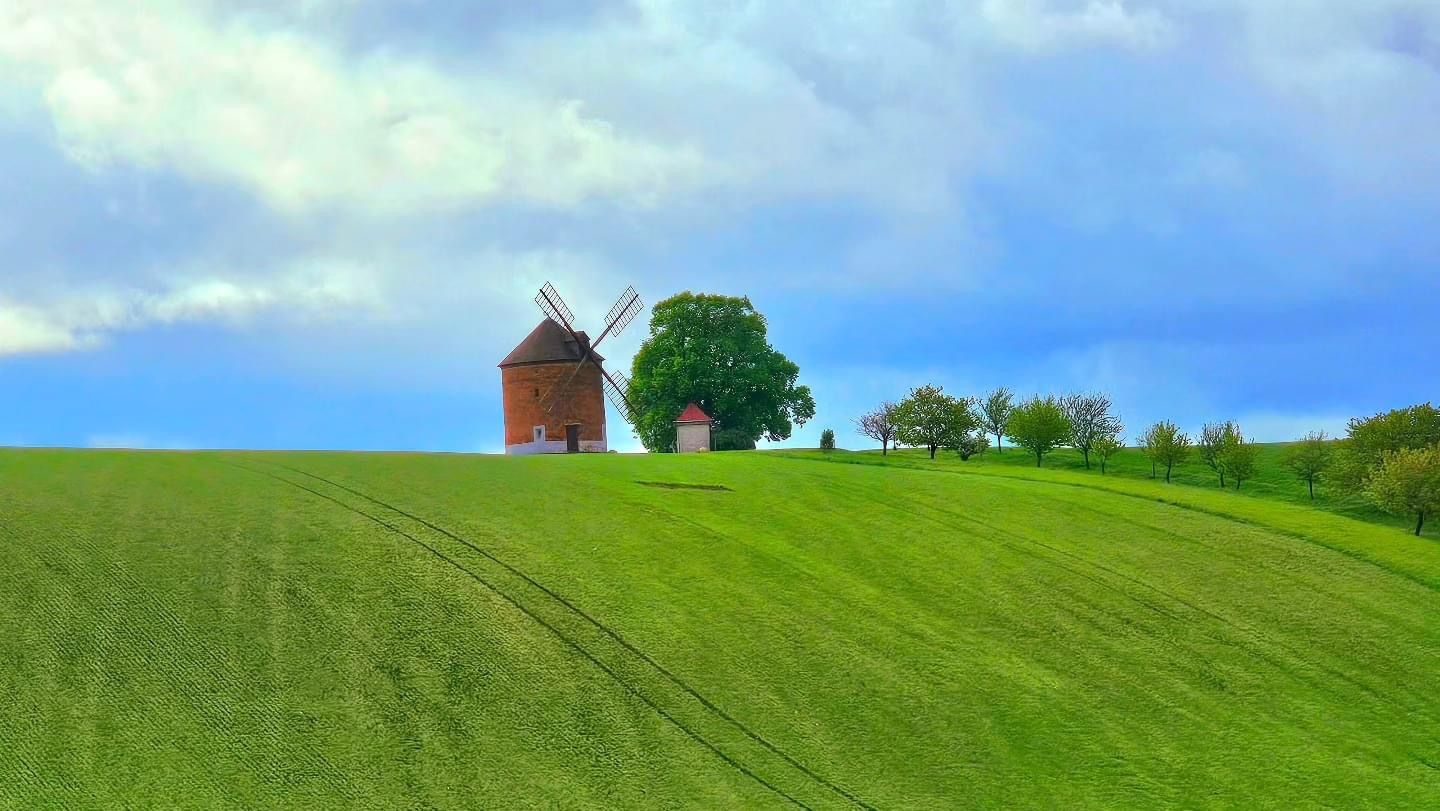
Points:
point(726, 630)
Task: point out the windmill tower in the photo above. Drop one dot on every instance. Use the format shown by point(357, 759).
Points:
point(555, 385)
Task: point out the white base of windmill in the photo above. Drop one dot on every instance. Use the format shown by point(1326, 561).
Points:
point(553, 446)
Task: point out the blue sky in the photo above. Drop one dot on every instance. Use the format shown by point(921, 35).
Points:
point(320, 224)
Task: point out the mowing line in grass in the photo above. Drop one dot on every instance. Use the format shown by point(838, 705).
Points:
point(1173, 500)
point(172, 639)
point(1000, 534)
point(1225, 620)
point(1342, 676)
point(615, 676)
point(604, 628)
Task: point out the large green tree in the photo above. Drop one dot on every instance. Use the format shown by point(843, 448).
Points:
point(713, 350)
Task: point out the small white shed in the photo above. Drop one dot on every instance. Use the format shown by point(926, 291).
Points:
point(692, 430)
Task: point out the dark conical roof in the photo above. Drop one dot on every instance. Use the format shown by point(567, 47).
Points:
point(547, 343)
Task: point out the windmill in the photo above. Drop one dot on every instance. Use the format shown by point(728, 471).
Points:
point(625, 309)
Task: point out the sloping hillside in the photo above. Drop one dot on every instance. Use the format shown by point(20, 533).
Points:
point(1272, 480)
point(297, 630)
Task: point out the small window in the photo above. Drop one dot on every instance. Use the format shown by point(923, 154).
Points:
point(537, 394)
point(539, 433)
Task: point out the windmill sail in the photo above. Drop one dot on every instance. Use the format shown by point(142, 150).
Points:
point(617, 389)
point(620, 315)
point(624, 311)
point(555, 307)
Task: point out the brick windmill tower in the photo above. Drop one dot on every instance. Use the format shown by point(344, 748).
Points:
point(555, 385)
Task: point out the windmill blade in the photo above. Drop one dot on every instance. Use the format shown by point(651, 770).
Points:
point(625, 311)
point(555, 308)
point(626, 308)
point(616, 386)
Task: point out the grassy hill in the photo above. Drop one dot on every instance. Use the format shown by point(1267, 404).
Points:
point(729, 630)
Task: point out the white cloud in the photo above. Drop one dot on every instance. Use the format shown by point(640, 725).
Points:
point(714, 110)
point(787, 101)
point(164, 85)
point(894, 105)
point(73, 319)
point(25, 330)
point(663, 105)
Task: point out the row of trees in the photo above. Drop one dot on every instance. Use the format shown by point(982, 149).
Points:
point(931, 419)
point(1392, 459)
point(1222, 447)
point(928, 418)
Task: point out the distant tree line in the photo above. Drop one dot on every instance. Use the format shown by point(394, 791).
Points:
point(1391, 459)
point(932, 419)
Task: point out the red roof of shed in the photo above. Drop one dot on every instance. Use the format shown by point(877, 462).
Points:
point(693, 413)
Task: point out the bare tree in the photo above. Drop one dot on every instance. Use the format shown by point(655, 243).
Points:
point(879, 425)
point(995, 411)
point(1090, 419)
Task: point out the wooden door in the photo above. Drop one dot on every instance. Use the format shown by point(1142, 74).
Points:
point(572, 439)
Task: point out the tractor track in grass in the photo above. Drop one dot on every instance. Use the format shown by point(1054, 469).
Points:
point(610, 632)
point(1020, 549)
point(558, 599)
point(1251, 641)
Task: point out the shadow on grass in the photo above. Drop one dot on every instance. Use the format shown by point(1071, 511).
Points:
point(685, 486)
